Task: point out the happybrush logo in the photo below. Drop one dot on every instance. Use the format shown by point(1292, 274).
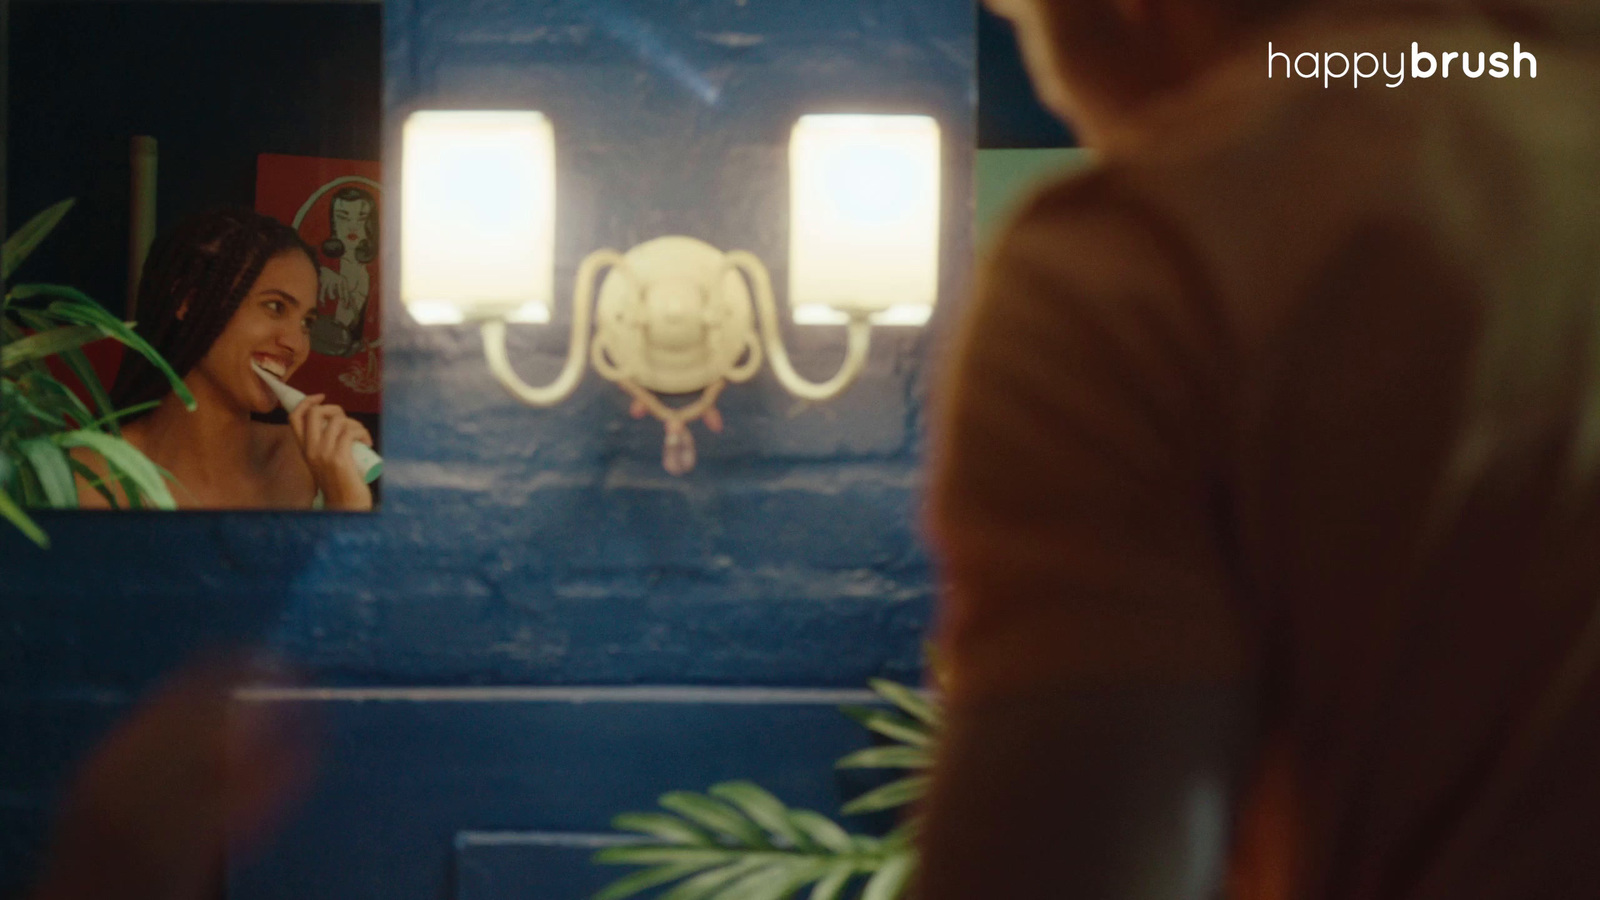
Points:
point(1424, 64)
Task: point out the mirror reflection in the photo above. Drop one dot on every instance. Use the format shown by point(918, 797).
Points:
point(193, 314)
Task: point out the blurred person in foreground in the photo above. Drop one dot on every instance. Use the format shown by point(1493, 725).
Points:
point(192, 777)
point(1266, 478)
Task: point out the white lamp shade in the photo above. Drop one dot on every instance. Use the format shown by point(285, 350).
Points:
point(477, 219)
point(864, 218)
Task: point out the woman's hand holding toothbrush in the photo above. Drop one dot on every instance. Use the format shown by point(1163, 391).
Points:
point(325, 434)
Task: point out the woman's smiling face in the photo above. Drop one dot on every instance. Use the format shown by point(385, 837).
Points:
point(271, 327)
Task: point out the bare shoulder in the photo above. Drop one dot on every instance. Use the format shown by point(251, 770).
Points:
point(291, 484)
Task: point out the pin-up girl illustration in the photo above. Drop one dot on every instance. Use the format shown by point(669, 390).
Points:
point(353, 225)
point(344, 279)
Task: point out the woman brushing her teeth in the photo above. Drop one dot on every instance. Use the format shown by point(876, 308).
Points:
point(220, 291)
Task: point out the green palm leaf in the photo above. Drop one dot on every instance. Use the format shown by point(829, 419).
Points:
point(821, 831)
point(19, 245)
point(903, 834)
point(59, 399)
point(47, 343)
point(762, 808)
point(41, 417)
point(774, 881)
point(14, 399)
point(739, 842)
point(14, 514)
point(50, 467)
point(894, 757)
point(831, 886)
point(82, 310)
point(891, 795)
point(10, 331)
point(660, 854)
point(891, 725)
point(717, 816)
point(645, 879)
point(74, 360)
point(671, 829)
point(866, 845)
point(890, 880)
point(110, 421)
point(908, 700)
point(706, 884)
point(90, 478)
point(124, 458)
point(79, 364)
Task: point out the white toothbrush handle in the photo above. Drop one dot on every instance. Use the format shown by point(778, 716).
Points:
point(368, 462)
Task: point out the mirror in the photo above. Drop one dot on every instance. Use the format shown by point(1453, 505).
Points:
point(150, 117)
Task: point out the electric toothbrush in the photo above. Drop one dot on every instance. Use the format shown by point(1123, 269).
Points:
point(368, 462)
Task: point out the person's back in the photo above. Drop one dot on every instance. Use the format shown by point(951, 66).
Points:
point(1299, 394)
point(1416, 318)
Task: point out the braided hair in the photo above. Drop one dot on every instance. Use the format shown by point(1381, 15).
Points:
point(366, 250)
point(204, 266)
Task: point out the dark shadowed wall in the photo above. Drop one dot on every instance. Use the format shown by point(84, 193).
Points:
point(214, 83)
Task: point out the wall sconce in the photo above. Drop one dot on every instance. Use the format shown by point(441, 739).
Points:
point(673, 315)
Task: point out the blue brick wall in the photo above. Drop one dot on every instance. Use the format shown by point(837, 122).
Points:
point(547, 548)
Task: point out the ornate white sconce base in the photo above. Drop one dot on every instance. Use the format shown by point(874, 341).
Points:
point(675, 316)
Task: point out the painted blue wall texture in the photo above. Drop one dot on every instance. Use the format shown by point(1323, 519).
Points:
point(530, 568)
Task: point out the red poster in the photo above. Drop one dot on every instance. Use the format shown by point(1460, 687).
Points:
point(334, 204)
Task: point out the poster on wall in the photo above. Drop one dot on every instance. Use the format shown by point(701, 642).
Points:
point(334, 205)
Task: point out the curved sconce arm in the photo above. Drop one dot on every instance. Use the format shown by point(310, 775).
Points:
point(859, 337)
point(494, 340)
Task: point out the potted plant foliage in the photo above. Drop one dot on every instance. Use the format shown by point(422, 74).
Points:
point(739, 841)
point(41, 419)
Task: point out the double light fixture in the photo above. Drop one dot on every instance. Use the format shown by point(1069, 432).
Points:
point(673, 316)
